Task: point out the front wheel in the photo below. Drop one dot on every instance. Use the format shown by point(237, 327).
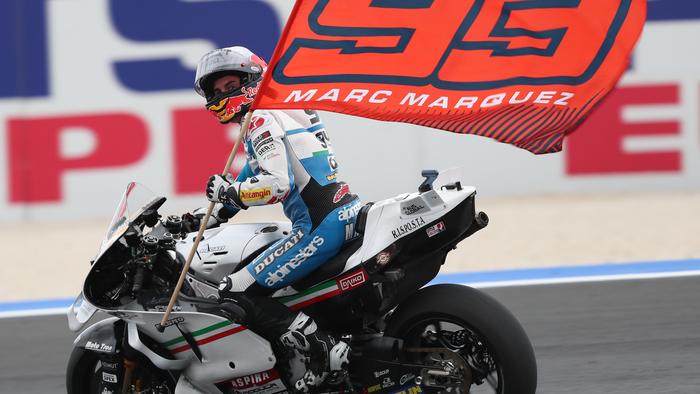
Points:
point(476, 341)
point(88, 374)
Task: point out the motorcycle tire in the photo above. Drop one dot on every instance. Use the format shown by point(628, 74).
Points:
point(481, 315)
point(85, 375)
point(83, 371)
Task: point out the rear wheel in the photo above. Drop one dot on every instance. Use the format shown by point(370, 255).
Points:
point(470, 342)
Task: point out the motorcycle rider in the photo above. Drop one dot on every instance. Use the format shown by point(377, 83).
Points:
point(289, 160)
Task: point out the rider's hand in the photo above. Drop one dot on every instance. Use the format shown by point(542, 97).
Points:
point(220, 214)
point(220, 189)
point(217, 186)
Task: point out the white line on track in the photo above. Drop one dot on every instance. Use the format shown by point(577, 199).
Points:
point(583, 279)
point(34, 312)
point(482, 285)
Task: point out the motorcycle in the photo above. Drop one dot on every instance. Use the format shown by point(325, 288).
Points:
point(405, 337)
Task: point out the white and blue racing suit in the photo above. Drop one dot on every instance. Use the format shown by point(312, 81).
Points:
point(290, 160)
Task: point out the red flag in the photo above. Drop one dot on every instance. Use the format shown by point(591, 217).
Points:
point(523, 72)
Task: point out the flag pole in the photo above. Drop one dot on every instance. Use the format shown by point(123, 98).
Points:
point(202, 227)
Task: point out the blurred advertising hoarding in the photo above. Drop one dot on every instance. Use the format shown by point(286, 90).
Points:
point(96, 93)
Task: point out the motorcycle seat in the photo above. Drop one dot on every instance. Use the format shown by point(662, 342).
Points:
point(330, 268)
point(335, 265)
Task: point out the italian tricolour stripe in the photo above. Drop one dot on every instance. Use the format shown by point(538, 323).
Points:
point(205, 335)
point(326, 290)
point(313, 295)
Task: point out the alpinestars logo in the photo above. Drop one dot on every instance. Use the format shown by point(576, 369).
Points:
point(288, 244)
point(349, 212)
point(255, 123)
point(284, 270)
point(407, 228)
point(344, 189)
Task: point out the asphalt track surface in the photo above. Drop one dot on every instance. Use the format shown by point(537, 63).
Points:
point(630, 336)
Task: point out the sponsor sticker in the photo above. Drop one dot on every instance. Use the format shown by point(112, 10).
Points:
point(109, 377)
point(170, 322)
point(413, 389)
point(435, 230)
point(282, 249)
point(374, 388)
point(349, 212)
point(255, 194)
point(387, 382)
point(100, 347)
point(405, 378)
point(108, 365)
point(256, 379)
point(344, 189)
point(380, 373)
point(351, 281)
point(413, 208)
point(350, 231)
point(264, 147)
point(408, 227)
point(264, 137)
point(211, 249)
point(255, 123)
point(285, 269)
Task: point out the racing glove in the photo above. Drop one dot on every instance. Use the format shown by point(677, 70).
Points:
point(220, 214)
point(224, 190)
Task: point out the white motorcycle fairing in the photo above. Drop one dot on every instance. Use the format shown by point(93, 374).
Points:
point(223, 250)
point(394, 218)
point(209, 348)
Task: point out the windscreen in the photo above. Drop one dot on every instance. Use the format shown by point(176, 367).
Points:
point(134, 200)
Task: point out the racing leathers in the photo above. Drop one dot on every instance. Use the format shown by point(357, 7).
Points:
point(290, 160)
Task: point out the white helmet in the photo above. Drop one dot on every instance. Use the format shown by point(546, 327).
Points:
point(232, 60)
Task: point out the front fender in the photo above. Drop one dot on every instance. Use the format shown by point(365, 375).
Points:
point(101, 337)
point(100, 341)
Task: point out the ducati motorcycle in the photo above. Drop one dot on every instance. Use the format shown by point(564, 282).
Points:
point(405, 337)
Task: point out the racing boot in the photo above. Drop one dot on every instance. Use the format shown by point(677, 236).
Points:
point(326, 354)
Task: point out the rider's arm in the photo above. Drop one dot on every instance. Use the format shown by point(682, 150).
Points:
point(274, 181)
point(228, 210)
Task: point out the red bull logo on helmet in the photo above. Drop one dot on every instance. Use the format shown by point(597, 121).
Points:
point(235, 104)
